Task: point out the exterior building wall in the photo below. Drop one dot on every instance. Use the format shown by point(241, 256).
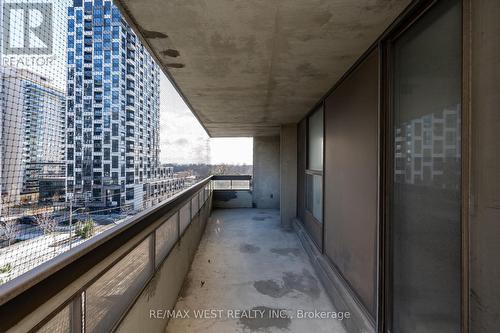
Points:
point(364, 153)
point(32, 134)
point(351, 180)
point(157, 189)
point(113, 108)
point(12, 129)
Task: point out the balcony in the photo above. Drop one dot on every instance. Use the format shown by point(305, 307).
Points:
point(374, 200)
point(260, 267)
point(134, 270)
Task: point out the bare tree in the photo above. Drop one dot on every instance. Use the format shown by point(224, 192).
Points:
point(220, 169)
point(9, 230)
point(47, 223)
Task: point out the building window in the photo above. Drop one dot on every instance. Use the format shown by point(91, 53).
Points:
point(130, 193)
point(315, 141)
point(314, 171)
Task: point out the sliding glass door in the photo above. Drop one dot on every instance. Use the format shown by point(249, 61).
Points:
point(426, 191)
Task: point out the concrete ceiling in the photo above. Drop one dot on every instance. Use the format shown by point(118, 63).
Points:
point(247, 66)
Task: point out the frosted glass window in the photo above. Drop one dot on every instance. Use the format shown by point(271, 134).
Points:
point(314, 202)
point(194, 205)
point(60, 323)
point(108, 297)
point(166, 236)
point(315, 141)
point(184, 217)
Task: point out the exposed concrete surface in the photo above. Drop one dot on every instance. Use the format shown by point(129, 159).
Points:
point(288, 174)
point(246, 261)
point(232, 199)
point(266, 172)
point(336, 287)
point(248, 66)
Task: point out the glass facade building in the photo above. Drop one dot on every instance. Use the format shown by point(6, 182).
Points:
point(113, 105)
point(33, 132)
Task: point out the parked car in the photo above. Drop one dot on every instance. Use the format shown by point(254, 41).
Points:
point(27, 219)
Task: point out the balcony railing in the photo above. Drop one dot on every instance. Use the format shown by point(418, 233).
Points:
point(232, 182)
point(72, 292)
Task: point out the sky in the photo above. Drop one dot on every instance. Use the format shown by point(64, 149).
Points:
point(184, 140)
point(231, 150)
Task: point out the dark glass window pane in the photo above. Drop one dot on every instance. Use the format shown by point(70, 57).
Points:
point(426, 203)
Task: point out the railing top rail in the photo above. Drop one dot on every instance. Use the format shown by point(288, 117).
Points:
point(231, 177)
point(22, 295)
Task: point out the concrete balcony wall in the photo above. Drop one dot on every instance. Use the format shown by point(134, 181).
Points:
point(266, 172)
point(232, 199)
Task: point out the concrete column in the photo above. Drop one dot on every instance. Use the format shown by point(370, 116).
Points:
point(288, 174)
point(266, 172)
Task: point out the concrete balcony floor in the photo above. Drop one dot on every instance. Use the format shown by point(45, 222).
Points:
point(245, 261)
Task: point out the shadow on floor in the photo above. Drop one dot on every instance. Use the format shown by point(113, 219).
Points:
point(249, 275)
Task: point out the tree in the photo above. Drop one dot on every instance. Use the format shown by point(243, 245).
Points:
point(85, 229)
point(9, 230)
point(220, 169)
point(47, 223)
point(56, 197)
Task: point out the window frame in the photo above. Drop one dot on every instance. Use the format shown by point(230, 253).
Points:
point(385, 46)
point(313, 172)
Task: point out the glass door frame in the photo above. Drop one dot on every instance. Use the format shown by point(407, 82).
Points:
point(386, 122)
point(318, 234)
